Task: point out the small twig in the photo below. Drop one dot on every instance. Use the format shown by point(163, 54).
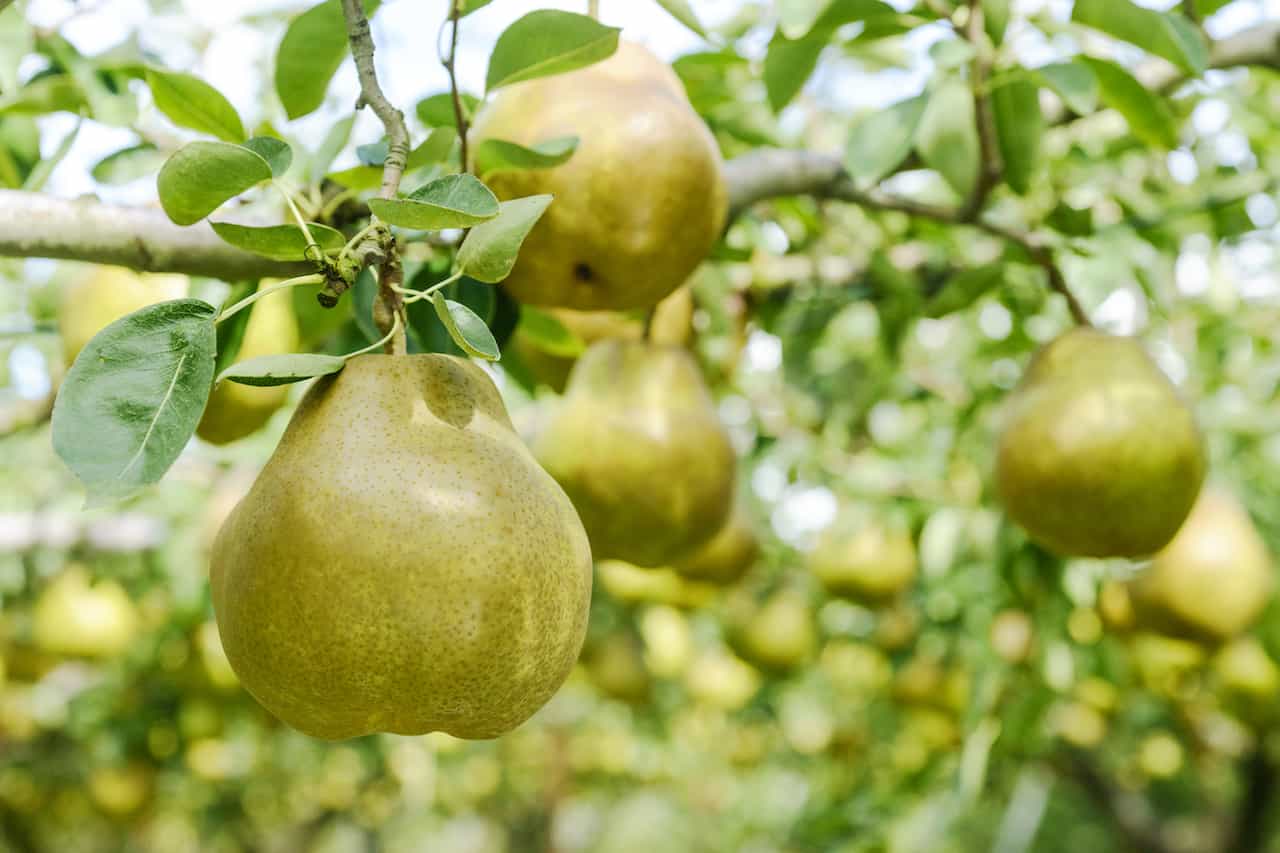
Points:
point(593, 9)
point(371, 95)
point(989, 165)
point(1142, 833)
point(1250, 829)
point(450, 63)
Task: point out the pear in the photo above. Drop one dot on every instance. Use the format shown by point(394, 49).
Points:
point(672, 324)
point(727, 556)
point(1099, 456)
point(235, 411)
point(105, 294)
point(780, 634)
point(402, 564)
point(638, 446)
point(1214, 579)
point(639, 204)
point(871, 563)
point(616, 667)
point(75, 618)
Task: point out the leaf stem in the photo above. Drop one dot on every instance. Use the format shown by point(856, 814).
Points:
point(300, 281)
point(395, 329)
point(373, 225)
point(417, 295)
point(300, 220)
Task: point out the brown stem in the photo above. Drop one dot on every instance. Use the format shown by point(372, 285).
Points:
point(1250, 830)
point(1130, 816)
point(989, 165)
point(450, 65)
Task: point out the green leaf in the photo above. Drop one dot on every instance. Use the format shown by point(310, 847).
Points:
point(132, 400)
point(278, 154)
point(491, 249)
point(469, 6)
point(881, 141)
point(310, 53)
point(1074, 83)
point(334, 141)
point(279, 242)
point(683, 12)
point(437, 110)
point(947, 138)
point(200, 176)
point(19, 149)
point(425, 326)
point(790, 62)
point(548, 42)
point(189, 102)
point(1165, 34)
point(40, 173)
point(963, 289)
point(230, 332)
point(995, 19)
point(547, 333)
point(496, 155)
point(374, 153)
point(51, 94)
point(454, 201)
point(128, 164)
point(1150, 117)
point(286, 369)
point(467, 330)
point(434, 149)
point(1019, 126)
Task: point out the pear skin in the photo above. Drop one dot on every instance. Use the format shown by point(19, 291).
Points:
point(727, 556)
point(235, 411)
point(402, 564)
point(871, 563)
point(1099, 456)
point(637, 445)
point(639, 204)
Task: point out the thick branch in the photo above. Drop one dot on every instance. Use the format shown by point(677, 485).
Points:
point(35, 225)
point(371, 94)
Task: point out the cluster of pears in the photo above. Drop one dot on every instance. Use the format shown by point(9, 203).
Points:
point(105, 294)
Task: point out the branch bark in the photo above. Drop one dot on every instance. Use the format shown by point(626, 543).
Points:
point(1250, 830)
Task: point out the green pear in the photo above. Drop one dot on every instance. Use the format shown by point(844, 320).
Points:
point(727, 556)
point(235, 411)
point(1099, 456)
point(402, 564)
point(1213, 580)
point(779, 634)
point(639, 204)
point(616, 667)
point(105, 294)
point(870, 563)
point(638, 446)
point(76, 618)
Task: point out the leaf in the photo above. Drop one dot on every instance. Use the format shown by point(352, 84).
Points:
point(995, 19)
point(880, 142)
point(128, 164)
point(1019, 126)
point(1165, 34)
point(44, 169)
point(334, 141)
point(437, 110)
point(469, 6)
point(51, 94)
point(375, 153)
point(683, 12)
point(132, 400)
point(947, 138)
point(963, 289)
point(495, 155)
point(189, 102)
point(230, 332)
point(278, 154)
point(467, 330)
point(789, 62)
point(546, 42)
point(310, 53)
point(1150, 117)
point(427, 329)
point(19, 149)
point(200, 176)
point(285, 369)
point(490, 250)
point(454, 201)
point(1074, 83)
point(547, 333)
point(434, 149)
point(279, 242)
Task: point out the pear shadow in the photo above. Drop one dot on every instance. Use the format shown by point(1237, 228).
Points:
point(450, 396)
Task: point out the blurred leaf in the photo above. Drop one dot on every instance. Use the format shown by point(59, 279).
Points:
point(1165, 34)
point(547, 333)
point(546, 42)
point(1074, 222)
point(995, 19)
point(1232, 219)
point(466, 7)
point(947, 138)
point(16, 41)
point(437, 110)
point(313, 47)
point(490, 250)
point(132, 400)
point(189, 102)
point(963, 289)
point(50, 94)
point(789, 62)
point(230, 332)
point(334, 141)
point(1150, 117)
point(1075, 84)
point(880, 142)
point(683, 12)
point(466, 328)
point(201, 176)
point(285, 369)
point(128, 164)
point(495, 155)
point(279, 242)
point(454, 201)
point(1019, 126)
point(40, 174)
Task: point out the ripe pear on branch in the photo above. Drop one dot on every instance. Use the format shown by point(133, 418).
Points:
point(637, 445)
point(402, 563)
point(639, 204)
point(1213, 580)
point(1099, 456)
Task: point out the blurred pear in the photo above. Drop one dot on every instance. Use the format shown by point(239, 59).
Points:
point(103, 295)
point(639, 448)
point(616, 667)
point(235, 411)
point(639, 204)
point(729, 554)
point(122, 790)
point(722, 680)
point(433, 576)
point(779, 633)
point(73, 617)
point(871, 563)
point(1099, 456)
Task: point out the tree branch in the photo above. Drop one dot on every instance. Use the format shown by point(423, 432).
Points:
point(989, 164)
point(371, 95)
point(450, 64)
point(1249, 831)
point(1130, 814)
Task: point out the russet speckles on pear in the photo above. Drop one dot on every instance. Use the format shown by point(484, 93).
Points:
point(402, 563)
point(1099, 456)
